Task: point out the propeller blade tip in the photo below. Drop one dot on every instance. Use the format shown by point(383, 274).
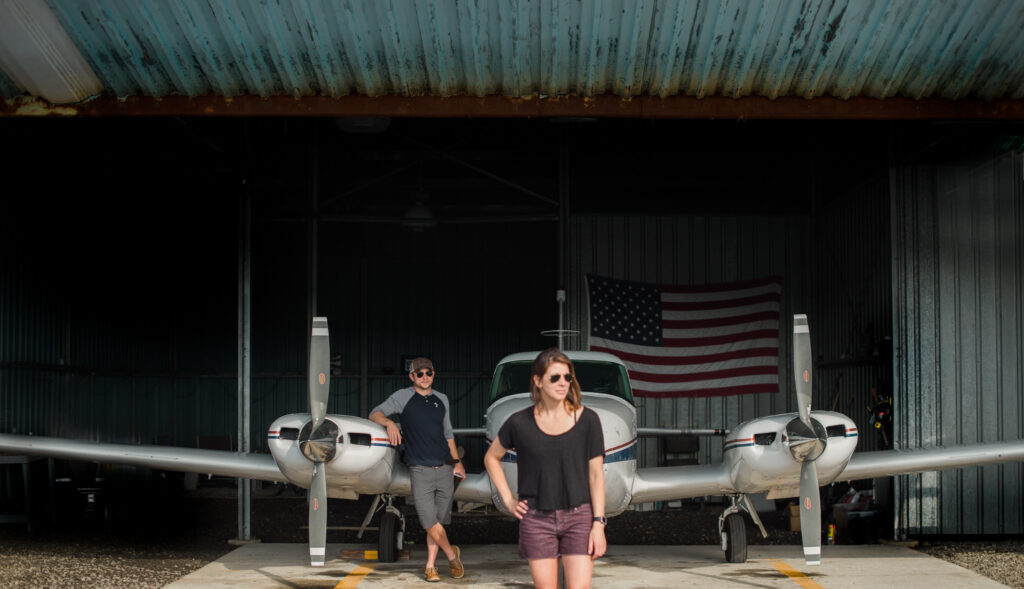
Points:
point(812, 555)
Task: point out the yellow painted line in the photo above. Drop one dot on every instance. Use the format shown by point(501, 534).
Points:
point(363, 554)
point(800, 578)
point(355, 577)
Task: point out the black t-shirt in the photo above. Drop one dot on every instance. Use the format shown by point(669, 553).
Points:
point(553, 471)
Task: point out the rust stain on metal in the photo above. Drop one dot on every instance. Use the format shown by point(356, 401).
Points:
point(37, 107)
point(605, 105)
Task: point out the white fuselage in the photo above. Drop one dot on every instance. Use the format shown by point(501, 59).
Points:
point(618, 420)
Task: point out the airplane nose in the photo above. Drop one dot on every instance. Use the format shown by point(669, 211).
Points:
point(319, 445)
point(805, 443)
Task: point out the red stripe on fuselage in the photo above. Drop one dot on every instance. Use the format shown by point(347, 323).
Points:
point(620, 446)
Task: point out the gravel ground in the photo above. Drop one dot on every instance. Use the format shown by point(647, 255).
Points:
point(1001, 560)
point(143, 547)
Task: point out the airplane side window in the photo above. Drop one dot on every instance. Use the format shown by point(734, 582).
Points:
point(358, 439)
point(836, 431)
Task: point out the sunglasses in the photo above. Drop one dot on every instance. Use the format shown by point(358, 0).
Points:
point(422, 372)
point(555, 377)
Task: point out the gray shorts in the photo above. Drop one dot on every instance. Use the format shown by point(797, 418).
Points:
point(432, 489)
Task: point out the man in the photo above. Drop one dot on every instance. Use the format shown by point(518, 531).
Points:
point(431, 456)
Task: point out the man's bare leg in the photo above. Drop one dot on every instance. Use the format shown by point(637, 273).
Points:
point(431, 551)
point(437, 539)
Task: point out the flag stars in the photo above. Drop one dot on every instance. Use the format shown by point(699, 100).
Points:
point(625, 312)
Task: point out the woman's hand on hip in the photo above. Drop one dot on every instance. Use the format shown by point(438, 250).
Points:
point(518, 508)
point(597, 544)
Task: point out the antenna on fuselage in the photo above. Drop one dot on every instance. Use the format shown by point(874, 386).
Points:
point(561, 333)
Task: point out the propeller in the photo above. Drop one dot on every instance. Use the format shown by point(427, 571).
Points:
point(318, 437)
point(807, 439)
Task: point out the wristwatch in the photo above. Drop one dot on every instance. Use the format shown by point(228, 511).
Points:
point(601, 520)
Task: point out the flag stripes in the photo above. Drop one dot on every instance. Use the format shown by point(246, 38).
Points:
point(705, 340)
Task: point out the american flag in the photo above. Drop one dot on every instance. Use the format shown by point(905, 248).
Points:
point(690, 341)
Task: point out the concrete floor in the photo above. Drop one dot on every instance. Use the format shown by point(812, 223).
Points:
point(498, 565)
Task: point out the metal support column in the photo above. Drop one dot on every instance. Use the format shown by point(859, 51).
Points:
point(313, 196)
point(364, 337)
point(244, 335)
point(563, 227)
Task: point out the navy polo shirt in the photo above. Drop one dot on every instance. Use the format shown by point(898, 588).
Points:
point(426, 427)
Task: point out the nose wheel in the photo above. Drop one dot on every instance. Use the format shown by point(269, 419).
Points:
point(390, 531)
point(734, 538)
point(733, 531)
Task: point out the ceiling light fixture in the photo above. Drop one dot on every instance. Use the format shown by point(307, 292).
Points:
point(418, 217)
point(38, 55)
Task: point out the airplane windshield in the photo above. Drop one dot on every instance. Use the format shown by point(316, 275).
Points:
point(595, 377)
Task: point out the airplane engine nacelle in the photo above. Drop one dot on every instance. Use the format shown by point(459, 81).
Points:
point(759, 459)
point(363, 461)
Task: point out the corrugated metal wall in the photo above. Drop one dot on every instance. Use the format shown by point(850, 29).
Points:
point(106, 336)
point(463, 295)
point(151, 373)
point(699, 249)
point(846, 296)
point(853, 300)
point(958, 266)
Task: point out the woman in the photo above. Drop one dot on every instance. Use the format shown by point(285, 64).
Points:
point(559, 449)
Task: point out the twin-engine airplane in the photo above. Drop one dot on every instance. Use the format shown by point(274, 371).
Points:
point(342, 456)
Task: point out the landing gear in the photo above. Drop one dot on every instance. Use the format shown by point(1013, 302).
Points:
point(734, 538)
point(387, 550)
point(391, 532)
point(733, 531)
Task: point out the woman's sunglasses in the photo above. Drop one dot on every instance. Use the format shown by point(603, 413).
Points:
point(554, 378)
point(422, 372)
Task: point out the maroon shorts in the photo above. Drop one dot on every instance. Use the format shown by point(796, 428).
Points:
point(550, 534)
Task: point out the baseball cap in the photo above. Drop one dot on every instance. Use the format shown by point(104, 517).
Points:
point(420, 364)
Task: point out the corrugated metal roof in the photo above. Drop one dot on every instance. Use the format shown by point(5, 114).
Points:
point(524, 48)
point(7, 86)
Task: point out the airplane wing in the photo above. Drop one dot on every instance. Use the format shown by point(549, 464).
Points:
point(218, 462)
point(865, 465)
point(652, 432)
point(681, 482)
point(476, 432)
point(667, 483)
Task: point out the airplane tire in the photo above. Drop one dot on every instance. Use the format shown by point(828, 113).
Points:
point(387, 539)
point(734, 538)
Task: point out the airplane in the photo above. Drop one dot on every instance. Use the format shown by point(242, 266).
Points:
point(341, 456)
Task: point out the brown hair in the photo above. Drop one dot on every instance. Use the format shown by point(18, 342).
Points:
point(540, 367)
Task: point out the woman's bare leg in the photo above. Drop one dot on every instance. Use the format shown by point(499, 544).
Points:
point(545, 573)
point(579, 568)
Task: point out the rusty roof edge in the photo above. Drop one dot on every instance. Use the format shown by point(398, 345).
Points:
point(496, 106)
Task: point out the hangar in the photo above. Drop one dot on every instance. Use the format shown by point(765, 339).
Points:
point(188, 183)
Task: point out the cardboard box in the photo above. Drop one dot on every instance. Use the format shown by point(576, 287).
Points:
point(794, 517)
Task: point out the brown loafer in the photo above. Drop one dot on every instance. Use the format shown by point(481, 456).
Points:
point(431, 575)
point(456, 565)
